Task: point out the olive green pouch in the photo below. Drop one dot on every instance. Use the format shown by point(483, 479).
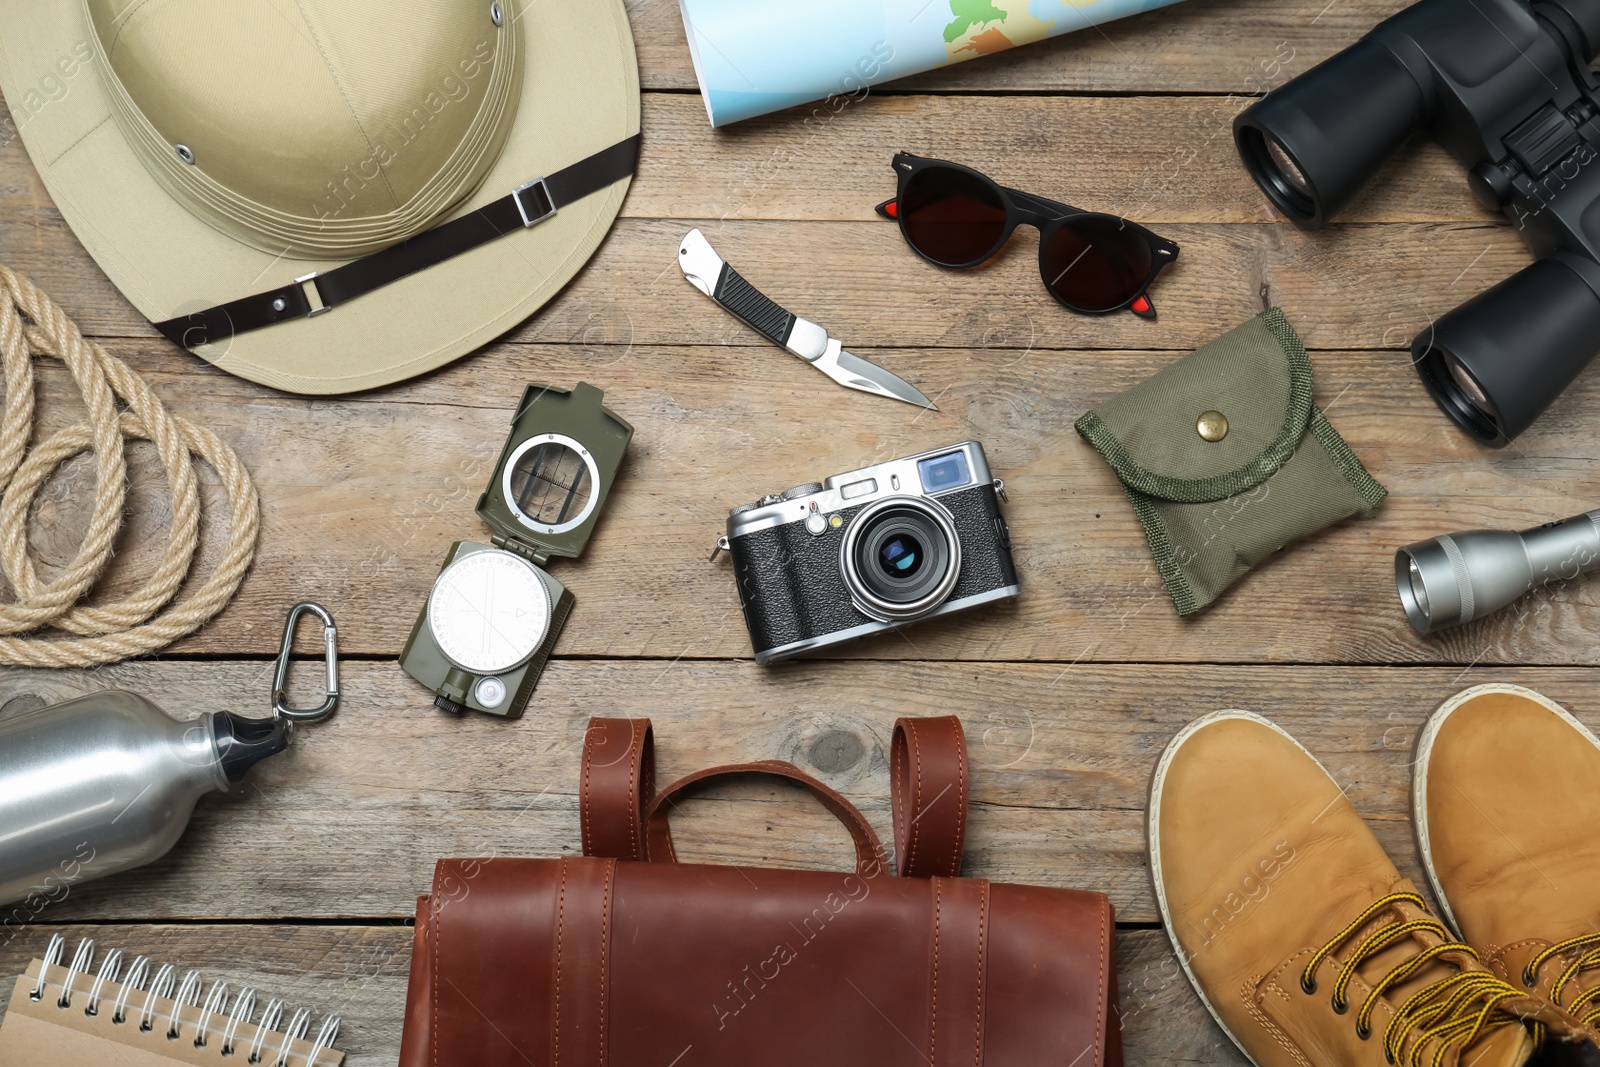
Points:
point(1218, 496)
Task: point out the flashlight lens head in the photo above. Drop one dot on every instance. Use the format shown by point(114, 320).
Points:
point(1411, 582)
point(1419, 588)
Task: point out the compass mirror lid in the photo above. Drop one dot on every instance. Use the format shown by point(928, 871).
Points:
point(556, 469)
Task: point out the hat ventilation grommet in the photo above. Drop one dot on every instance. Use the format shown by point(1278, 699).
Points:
point(495, 13)
point(185, 153)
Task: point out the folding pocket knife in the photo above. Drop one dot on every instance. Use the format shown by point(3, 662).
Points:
point(708, 273)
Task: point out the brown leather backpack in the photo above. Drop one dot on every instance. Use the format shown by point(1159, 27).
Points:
point(627, 957)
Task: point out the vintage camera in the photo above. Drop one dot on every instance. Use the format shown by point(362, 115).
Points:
point(494, 614)
point(1505, 87)
point(870, 550)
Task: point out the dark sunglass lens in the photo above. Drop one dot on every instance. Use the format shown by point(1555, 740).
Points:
point(1096, 263)
point(950, 216)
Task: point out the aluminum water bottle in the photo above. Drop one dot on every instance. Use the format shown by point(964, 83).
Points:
point(107, 782)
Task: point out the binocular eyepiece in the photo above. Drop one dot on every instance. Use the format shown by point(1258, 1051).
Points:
point(1504, 86)
point(1455, 578)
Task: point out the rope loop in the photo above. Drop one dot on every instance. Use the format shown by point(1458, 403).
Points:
point(121, 406)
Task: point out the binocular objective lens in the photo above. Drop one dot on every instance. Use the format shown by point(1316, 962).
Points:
point(1419, 589)
point(1471, 391)
point(1288, 169)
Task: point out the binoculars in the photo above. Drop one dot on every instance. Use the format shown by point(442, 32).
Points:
point(1505, 87)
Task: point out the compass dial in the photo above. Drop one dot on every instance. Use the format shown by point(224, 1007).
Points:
point(489, 611)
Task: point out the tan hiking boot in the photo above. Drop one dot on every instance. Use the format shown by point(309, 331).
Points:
point(1507, 798)
point(1307, 946)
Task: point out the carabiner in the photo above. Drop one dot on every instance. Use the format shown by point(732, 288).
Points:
point(280, 681)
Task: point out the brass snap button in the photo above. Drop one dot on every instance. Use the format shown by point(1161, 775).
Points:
point(1212, 425)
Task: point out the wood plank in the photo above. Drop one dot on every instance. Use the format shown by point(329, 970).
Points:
point(860, 280)
point(359, 973)
point(1159, 159)
point(350, 821)
point(364, 495)
point(1360, 289)
point(1223, 46)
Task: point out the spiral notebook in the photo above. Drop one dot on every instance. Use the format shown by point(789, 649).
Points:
point(140, 1013)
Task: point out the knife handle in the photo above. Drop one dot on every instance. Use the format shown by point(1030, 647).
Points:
point(747, 303)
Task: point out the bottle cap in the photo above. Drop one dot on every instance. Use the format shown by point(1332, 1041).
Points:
point(244, 742)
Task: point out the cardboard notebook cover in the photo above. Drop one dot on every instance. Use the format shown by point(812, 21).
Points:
point(43, 1033)
point(625, 956)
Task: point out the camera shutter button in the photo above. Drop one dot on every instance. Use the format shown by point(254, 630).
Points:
point(802, 490)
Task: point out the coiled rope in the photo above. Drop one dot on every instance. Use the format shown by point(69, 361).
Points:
point(32, 325)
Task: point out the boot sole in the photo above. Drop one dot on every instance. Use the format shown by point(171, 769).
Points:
point(1154, 832)
point(1419, 773)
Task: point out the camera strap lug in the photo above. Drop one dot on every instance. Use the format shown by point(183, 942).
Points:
point(722, 546)
point(1000, 490)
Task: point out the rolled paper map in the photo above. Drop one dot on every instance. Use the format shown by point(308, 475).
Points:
point(758, 56)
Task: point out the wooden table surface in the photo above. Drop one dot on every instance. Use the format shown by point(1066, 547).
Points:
point(306, 876)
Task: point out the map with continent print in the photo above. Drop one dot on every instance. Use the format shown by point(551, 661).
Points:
point(981, 27)
point(753, 57)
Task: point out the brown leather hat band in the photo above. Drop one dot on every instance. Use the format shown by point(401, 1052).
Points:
point(523, 208)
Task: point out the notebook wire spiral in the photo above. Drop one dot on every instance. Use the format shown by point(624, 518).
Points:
point(152, 996)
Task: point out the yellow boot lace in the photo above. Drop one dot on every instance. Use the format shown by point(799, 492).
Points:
point(1585, 961)
point(1450, 1013)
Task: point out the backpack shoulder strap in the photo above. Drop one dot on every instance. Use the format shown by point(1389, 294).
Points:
point(928, 794)
point(616, 784)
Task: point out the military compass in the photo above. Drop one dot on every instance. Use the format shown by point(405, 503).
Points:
point(494, 614)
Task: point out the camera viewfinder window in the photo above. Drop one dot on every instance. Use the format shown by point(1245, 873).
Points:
point(944, 472)
point(550, 484)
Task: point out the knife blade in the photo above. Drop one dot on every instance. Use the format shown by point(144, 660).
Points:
point(715, 277)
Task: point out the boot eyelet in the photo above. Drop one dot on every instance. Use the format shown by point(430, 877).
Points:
point(1529, 979)
point(1308, 988)
point(1340, 1007)
point(1364, 1033)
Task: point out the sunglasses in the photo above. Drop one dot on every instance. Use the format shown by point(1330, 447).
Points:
point(955, 217)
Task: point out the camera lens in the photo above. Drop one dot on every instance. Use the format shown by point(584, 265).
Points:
point(902, 555)
point(900, 558)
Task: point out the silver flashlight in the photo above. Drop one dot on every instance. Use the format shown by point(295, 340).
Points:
point(1455, 578)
